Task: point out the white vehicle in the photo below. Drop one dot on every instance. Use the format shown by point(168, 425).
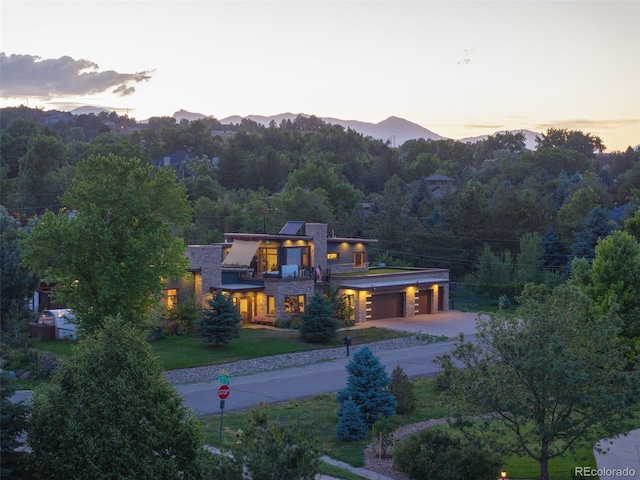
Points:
point(63, 319)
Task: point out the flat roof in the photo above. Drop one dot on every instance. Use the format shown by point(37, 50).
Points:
point(350, 240)
point(264, 236)
point(392, 283)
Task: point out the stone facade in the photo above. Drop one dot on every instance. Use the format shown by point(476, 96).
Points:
point(318, 231)
point(373, 293)
point(206, 261)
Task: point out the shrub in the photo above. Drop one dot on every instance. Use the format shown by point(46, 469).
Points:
point(292, 323)
point(318, 324)
point(267, 452)
point(47, 366)
point(383, 435)
point(12, 424)
point(351, 425)
point(402, 388)
point(435, 455)
point(444, 379)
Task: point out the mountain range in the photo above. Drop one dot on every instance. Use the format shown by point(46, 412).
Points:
point(395, 130)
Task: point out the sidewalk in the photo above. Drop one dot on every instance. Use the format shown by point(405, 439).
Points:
point(622, 460)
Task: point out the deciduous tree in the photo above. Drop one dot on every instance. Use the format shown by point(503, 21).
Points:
point(553, 377)
point(109, 250)
point(615, 279)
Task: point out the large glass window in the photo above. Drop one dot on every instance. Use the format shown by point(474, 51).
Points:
point(271, 305)
point(268, 260)
point(294, 304)
point(298, 256)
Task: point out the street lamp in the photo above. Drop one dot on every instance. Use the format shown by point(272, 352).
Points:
point(503, 474)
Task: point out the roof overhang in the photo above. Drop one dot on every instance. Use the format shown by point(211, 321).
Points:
point(238, 287)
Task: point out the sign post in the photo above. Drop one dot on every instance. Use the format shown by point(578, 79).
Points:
point(223, 393)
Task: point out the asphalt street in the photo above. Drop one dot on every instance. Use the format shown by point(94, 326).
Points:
point(329, 376)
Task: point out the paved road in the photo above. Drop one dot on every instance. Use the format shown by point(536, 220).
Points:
point(329, 376)
point(623, 458)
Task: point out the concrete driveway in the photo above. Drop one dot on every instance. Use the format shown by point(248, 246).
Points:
point(449, 323)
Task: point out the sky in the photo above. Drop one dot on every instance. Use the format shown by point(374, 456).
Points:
point(458, 68)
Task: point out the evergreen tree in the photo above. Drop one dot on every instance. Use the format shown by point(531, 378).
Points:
point(596, 226)
point(554, 255)
point(351, 425)
point(221, 322)
point(318, 323)
point(402, 389)
point(109, 413)
point(13, 420)
point(368, 387)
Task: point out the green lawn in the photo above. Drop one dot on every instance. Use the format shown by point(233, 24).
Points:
point(316, 418)
point(190, 351)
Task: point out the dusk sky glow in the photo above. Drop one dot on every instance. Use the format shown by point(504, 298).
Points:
point(458, 68)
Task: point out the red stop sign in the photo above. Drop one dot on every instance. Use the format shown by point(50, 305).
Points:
point(223, 391)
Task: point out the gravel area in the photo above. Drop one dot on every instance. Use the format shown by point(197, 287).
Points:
point(275, 362)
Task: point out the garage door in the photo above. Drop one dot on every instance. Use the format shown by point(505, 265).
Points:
point(424, 302)
point(387, 305)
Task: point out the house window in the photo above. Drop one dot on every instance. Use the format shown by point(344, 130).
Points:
point(271, 305)
point(358, 259)
point(294, 304)
point(170, 298)
point(268, 260)
point(333, 256)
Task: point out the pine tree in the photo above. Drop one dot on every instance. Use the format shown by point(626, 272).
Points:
point(318, 324)
point(351, 425)
point(368, 386)
point(402, 389)
point(221, 322)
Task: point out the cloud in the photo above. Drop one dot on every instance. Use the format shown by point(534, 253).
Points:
point(484, 126)
point(583, 123)
point(31, 76)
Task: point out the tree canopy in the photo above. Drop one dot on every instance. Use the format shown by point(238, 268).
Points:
point(554, 377)
point(108, 250)
point(109, 413)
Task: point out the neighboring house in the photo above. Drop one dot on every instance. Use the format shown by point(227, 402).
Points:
point(440, 184)
point(175, 158)
point(270, 276)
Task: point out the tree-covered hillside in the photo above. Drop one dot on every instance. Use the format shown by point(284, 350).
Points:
point(507, 211)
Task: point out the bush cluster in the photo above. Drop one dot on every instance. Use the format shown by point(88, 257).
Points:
point(292, 323)
point(436, 455)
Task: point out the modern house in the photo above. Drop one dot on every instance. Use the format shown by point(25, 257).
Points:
point(270, 276)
